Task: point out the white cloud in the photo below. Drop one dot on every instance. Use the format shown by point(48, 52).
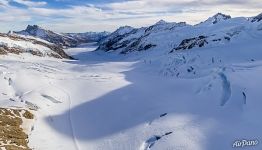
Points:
point(9, 13)
point(30, 3)
point(3, 3)
point(109, 16)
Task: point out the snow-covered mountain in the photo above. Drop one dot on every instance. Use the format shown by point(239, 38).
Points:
point(127, 39)
point(16, 44)
point(63, 39)
point(217, 18)
point(48, 35)
point(257, 18)
point(167, 37)
point(168, 86)
point(87, 37)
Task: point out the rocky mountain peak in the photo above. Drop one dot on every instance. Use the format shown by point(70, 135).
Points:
point(32, 27)
point(35, 30)
point(218, 17)
point(124, 29)
point(257, 18)
point(161, 22)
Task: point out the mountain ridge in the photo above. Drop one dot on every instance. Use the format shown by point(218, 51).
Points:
point(11, 43)
point(62, 39)
point(217, 30)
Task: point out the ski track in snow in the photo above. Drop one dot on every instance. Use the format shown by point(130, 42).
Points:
point(70, 119)
point(49, 69)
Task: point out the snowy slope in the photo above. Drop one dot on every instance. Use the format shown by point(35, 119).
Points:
point(199, 98)
point(116, 103)
point(11, 43)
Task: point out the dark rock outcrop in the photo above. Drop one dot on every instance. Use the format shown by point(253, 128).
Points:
point(219, 16)
point(257, 18)
point(190, 43)
point(113, 42)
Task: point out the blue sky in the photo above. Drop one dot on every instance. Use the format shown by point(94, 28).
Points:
point(100, 15)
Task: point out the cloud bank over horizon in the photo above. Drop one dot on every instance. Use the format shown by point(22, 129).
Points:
point(107, 15)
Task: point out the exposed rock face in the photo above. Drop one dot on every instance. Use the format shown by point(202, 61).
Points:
point(162, 25)
point(219, 16)
point(63, 39)
point(191, 43)
point(127, 39)
point(215, 31)
point(216, 19)
point(257, 18)
point(203, 41)
point(137, 46)
point(112, 42)
point(49, 36)
point(12, 135)
point(17, 44)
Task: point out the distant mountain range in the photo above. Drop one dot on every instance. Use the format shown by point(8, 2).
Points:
point(168, 37)
point(41, 42)
point(164, 37)
point(62, 39)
